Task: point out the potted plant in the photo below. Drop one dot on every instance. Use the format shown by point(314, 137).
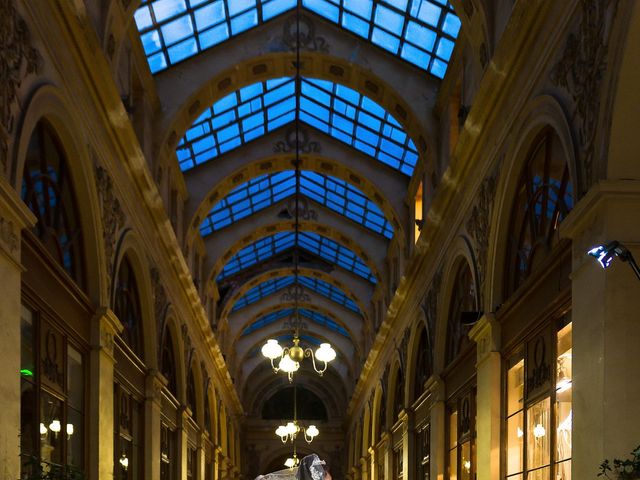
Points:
point(619, 469)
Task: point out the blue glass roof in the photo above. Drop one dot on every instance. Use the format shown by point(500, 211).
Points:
point(421, 32)
point(312, 242)
point(263, 191)
point(319, 286)
point(332, 108)
point(312, 315)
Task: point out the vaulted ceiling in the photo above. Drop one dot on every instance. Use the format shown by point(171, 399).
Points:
point(370, 70)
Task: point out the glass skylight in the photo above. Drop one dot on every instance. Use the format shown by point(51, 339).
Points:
point(321, 287)
point(263, 191)
point(332, 108)
point(421, 32)
point(312, 315)
point(312, 242)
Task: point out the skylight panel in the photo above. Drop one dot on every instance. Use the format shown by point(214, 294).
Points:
point(267, 319)
point(334, 109)
point(319, 245)
point(422, 32)
point(320, 287)
point(265, 190)
point(324, 320)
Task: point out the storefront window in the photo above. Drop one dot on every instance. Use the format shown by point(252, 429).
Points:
point(167, 452)
point(424, 455)
point(461, 435)
point(52, 399)
point(128, 430)
point(453, 446)
point(538, 411)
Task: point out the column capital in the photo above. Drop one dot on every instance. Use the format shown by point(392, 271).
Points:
point(105, 326)
point(486, 333)
point(154, 383)
point(436, 388)
point(14, 217)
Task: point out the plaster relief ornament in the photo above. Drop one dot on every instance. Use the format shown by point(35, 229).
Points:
point(19, 59)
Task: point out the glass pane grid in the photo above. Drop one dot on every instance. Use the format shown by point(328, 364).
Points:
point(421, 32)
point(332, 108)
point(318, 286)
point(267, 319)
point(262, 192)
point(324, 320)
point(319, 245)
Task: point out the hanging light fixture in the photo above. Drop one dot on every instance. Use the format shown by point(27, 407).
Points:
point(290, 431)
point(291, 357)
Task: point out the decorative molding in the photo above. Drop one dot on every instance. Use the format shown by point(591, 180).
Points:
point(295, 293)
point(9, 236)
point(306, 36)
point(113, 218)
point(580, 71)
point(479, 223)
point(302, 143)
point(19, 58)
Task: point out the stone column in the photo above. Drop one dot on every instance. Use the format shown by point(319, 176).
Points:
point(408, 444)
point(14, 216)
point(154, 382)
point(184, 414)
point(104, 327)
point(201, 466)
point(486, 333)
point(438, 420)
point(216, 462)
point(373, 456)
point(606, 327)
point(387, 454)
point(364, 474)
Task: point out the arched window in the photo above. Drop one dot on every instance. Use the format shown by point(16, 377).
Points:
point(423, 364)
point(127, 306)
point(168, 364)
point(463, 299)
point(207, 416)
point(398, 396)
point(191, 394)
point(48, 192)
point(543, 199)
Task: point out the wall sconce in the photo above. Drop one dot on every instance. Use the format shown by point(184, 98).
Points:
point(605, 254)
point(55, 427)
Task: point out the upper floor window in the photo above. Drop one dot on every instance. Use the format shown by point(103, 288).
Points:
point(463, 300)
point(191, 394)
point(48, 192)
point(543, 199)
point(167, 363)
point(423, 364)
point(127, 306)
point(418, 206)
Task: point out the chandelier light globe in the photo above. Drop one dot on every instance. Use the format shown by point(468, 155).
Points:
point(282, 431)
point(325, 353)
point(287, 365)
point(55, 426)
point(292, 428)
point(272, 349)
point(291, 462)
point(312, 431)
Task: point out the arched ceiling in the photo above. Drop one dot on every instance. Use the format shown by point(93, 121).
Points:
point(359, 142)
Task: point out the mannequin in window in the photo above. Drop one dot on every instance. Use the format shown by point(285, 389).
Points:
point(310, 468)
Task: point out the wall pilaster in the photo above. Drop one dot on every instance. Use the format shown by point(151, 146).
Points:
point(104, 328)
point(486, 333)
point(152, 423)
point(14, 217)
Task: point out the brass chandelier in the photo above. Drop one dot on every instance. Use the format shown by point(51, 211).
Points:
point(290, 431)
point(288, 359)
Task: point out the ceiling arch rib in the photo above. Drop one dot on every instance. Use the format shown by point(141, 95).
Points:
point(268, 247)
point(330, 107)
point(262, 191)
point(371, 248)
point(421, 32)
point(350, 321)
point(274, 285)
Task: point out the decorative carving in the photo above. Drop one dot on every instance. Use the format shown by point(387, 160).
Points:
point(106, 341)
point(295, 323)
point(189, 350)
point(51, 357)
point(580, 71)
point(8, 235)
point(430, 308)
point(19, 59)
point(306, 36)
point(159, 305)
point(538, 368)
point(302, 205)
point(295, 293)
point(301, 144)
point(479, 223)
point(113, 218)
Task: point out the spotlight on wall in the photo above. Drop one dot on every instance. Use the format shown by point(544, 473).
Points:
point(470, 318)
point(606, 253)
